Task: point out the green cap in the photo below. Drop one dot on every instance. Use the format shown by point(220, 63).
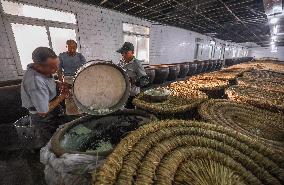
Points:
point(127, 46)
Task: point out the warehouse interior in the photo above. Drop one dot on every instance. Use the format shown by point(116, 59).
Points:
point(141, 92)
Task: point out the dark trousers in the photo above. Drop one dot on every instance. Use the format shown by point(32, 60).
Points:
point(129, 104)
point(46, 126)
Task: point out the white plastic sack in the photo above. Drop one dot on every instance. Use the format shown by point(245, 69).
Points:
point(68, 169)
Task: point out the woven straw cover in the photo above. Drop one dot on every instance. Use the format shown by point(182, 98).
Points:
point(263, 79)
point(264, 74)
point(258, 123)
point(257, 97)
point(205, 84)
point(99, 86)
point(265, 84)
point(222, 75)
point(187, 152)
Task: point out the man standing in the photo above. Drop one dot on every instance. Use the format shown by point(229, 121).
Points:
point(134, 70)
point(70, 62)
point(39, 95)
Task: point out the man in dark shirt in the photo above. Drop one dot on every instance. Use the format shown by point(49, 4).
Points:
point(134, 69)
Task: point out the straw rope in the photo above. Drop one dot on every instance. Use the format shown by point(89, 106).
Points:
point(173, 105)
point(187, 152)
point(260, 124)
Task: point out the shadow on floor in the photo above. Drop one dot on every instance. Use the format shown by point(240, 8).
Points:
point(21, 167)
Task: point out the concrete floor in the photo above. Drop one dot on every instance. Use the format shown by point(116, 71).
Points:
point(21, 168)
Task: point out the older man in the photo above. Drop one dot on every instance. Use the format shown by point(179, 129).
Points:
point(38, 92)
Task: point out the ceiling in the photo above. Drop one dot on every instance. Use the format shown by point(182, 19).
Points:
point(233, 20)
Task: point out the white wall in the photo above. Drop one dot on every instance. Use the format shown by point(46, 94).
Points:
point(172, 45)
point(260, 52)
point(100, 33)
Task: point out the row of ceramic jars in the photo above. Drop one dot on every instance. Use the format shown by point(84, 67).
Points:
point(159, 74)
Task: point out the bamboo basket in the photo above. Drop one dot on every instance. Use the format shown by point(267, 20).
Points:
point(260, 98)
point(263, 125)
point(187, 152)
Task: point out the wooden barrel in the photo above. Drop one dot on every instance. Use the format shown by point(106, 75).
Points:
point(184, 67)
point(100, 88)
point(82, 135)
point(10, 104)
point(151, 74)
point(192, 69)
point(161, 73)
point(174, 70)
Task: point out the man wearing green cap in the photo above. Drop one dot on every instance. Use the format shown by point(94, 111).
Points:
point(134, 70)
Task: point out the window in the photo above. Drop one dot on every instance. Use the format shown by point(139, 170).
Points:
point(25, 46)
point(234, 53)
point(59, 36)
point(37, 12)
point(196, 51)
point(211, 51)
point(218, 52)
point(222, 56)
point(139, 37)
point(33, 26)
